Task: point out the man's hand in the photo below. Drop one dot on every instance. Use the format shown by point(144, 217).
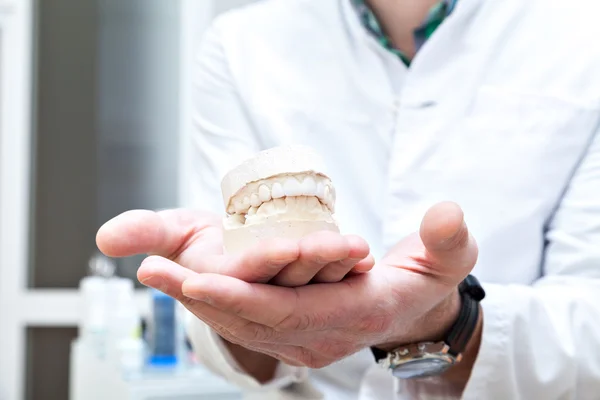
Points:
point(410, 296)
point(194, 240)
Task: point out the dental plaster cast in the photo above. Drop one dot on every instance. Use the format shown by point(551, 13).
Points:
point(281, 192)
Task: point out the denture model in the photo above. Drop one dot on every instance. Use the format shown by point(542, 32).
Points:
point(281, 192)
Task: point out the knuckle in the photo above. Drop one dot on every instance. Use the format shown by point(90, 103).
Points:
point(249, 332)
point(320, 260)
point(294, 322)
point(256, 333)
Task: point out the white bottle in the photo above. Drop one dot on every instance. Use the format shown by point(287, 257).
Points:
point(93, 327)
point(123, 316)
point(126, 349)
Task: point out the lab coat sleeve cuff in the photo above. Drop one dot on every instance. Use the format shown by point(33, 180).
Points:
point(494, 343)
point(213, 353)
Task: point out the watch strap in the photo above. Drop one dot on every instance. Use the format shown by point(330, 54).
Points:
point(460, 333)
point(378, 354)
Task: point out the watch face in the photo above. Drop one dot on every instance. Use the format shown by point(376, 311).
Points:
point(421, 368)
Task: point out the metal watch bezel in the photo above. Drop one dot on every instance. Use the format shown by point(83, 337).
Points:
point(427, 350)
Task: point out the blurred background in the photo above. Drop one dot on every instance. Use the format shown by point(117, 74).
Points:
point(94, 111)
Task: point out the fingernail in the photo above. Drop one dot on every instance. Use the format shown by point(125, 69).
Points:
point(155, 282)
point(199, 297)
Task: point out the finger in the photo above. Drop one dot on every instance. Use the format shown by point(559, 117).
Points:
point(258, 264)
point(336, 271)
point(316, 251)
point(194, 240)
point(168, 277)
point(449, 247)
point(364, 265)
point(310, 307)
point(246, 300)
point(263, 262)
point(164, 275)
point(163, 233)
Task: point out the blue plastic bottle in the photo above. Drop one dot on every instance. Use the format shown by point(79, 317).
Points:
point(163, 334)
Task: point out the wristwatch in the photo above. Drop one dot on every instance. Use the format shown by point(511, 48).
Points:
point(428, 359)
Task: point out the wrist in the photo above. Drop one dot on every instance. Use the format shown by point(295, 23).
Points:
point(431, 327)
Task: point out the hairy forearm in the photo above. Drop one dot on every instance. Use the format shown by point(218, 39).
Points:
point(260, 366)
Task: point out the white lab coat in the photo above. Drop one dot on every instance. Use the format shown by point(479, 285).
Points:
point(498, 112)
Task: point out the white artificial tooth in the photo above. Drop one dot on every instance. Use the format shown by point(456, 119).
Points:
point(265, 208)
point(238, 218)
point(277, 191)
point(320, 190)
point(312, 203)
point(329, 197)
point(279, 204)
point(252, 210)
point(291, 203)
point(264, 194)
point(238, 206)
point(309, 186)
point(261, 210)
point(327, 194)
point(291, 187)
point(301, 202)
point(246, 202)
point(255, 200)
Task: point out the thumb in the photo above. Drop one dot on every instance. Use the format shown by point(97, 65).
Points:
point(449, 247)
point(163, 233)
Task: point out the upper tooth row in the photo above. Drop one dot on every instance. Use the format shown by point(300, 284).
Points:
point(291, 187)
